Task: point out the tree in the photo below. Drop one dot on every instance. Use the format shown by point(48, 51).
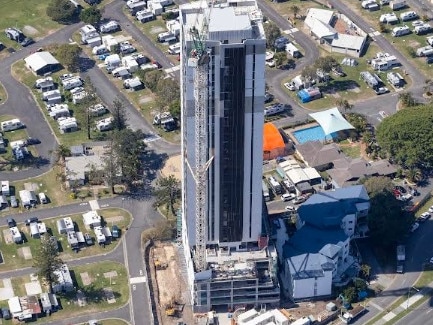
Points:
point(61, 11)
point(309, 73)
point(414, 175)
point(349, 294)
point(365, 271)
point(168, 192)
point(343, 104)
point(407, 99)
point(295, 10)
point(167, 91)
point(428, 84)
point(375, 185)
point(110, 169)
point(119, 114)
point(91, 15)
point(280, 58)
point(406, 136)
point(175, 108)
point(69, 56)
point(325, 63)
point(151, 78)
point(61, 153)
point(127, 151)
point(272, 32)
point(47, 261)
point(382, 28)
point(88, 101)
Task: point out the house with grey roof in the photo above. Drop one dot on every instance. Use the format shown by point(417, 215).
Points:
point(318, 254)
point(317, 155)
point(347, 171)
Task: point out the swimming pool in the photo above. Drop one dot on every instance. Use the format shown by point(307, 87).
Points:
point(313, 133)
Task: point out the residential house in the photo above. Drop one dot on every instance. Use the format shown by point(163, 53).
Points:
point(64, 280)
point(347, 171)
point(91, 219)
point(320, 23)
point(329, 220)
point(317, 155)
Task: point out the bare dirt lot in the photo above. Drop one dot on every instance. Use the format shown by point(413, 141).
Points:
point(170, 284)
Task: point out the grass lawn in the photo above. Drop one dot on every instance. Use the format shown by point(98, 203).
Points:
point(284, 8)
point(352, 150)
point(95, 295)
point(113, 322)
point(3, 94)
point(22, 74)
point(13, 254)
point(29, 16)
point(404, 43)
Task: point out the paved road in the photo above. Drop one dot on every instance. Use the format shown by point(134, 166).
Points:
point(419, 315)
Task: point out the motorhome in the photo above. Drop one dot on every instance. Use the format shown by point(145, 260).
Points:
point(409, 15)
point(389, 18)
point(424, 51)
point(165, 37)
point(145, 15)
point(293, 50)
point(101, 49)
point(276, 187)
point(274, 109)
point(174, 49)
point(72, 83)
point(397, 4)
point(111, 26)
point(400, 31)
point(423, 29)
point(11, 125)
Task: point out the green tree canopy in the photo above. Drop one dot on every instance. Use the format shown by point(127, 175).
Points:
point(406, 136)
point(272, 32)
point(387, 221)
point(167, 91)
point(69, 56)
point(47, 260)
point(91, 15)
point(119, 114)
point(168, 192)
point(62, 11)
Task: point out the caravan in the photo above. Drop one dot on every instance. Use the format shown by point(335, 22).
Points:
point(166, 37)
point(11, 125)
point(174, 49)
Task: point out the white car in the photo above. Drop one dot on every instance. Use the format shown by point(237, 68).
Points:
point(431, 260)
point(288, 197)
point(414, 227)
point(291, 208)
point(270, 63)
point(290, 86)
point(382, 90)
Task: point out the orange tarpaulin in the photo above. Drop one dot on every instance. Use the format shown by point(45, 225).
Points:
point(272, 138)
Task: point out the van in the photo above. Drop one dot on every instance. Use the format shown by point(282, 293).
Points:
point(43, 198)
point(288, 197)
point(174, 49)
point(163, 37)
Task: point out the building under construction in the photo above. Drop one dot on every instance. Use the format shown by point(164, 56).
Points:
point(223, 88)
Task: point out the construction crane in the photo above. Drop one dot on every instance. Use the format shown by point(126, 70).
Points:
point(199, 59)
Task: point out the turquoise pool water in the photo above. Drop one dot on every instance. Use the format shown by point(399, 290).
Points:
point(313, 133)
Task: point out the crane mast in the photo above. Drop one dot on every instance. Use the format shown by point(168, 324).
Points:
point(199, 59)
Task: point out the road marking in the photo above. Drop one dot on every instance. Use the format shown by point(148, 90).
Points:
point(94, 205)
point(174, 69)
point(138, 279)
point(152, 137)
point(428, 311)
point(371, 303)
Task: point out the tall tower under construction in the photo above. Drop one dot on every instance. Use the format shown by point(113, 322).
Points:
point(223, 87)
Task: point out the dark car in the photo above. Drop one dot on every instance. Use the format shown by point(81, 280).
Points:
point(27, 41)
point(401, 189)
point(6, 314)
point(32, 141)
point(31, 220)
point(268, 97)
point(11, 222)
point(88, 239)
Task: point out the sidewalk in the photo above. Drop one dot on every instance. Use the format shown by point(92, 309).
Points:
point(406, 304)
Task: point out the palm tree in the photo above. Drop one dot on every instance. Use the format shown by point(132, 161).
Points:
point(168, 192)
point(343, 104)
point(407, 99)
point(61, 153)
point(414, 175)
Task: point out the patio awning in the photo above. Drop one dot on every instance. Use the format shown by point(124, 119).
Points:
point(331, 121)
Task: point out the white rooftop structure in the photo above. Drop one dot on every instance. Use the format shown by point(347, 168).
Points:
point(331, 121)
point(14, 305)
point(91, 219)
point(348, 41)
point(38, 60)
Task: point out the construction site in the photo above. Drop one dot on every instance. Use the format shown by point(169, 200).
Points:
point(169, 284)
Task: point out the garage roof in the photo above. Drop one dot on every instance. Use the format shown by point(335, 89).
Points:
point(38, 60)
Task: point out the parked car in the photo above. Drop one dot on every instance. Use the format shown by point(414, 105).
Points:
point(291, 208)
point(381, 90)
point(414, 227)
point(401, 189)
point(32, 141)
point(88, 239)
point(430, 210)
point(288, 197)
point(300, 199)
point(6, 313)
point(14, 202)
point(290, 86)
point(11, 222)
point(268, 97)
point(31, 220)
point(424, 217)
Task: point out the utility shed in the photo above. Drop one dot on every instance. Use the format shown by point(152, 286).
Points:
point(42, 63)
